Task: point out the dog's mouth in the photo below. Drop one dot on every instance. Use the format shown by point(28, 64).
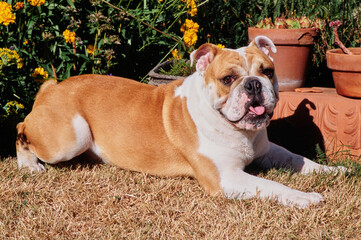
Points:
point(256, 110)
point(256, 116)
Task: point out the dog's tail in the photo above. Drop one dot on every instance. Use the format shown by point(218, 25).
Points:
point(21, 141)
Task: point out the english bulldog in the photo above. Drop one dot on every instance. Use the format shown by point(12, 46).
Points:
point(209, 126)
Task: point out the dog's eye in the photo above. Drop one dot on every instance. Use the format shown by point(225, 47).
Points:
point(228, 80)
point(268, 72)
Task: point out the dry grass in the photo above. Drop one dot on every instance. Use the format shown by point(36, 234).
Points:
point(104, 202)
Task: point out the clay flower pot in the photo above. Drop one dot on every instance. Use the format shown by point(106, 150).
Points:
point(346, 71)
point(294, 48)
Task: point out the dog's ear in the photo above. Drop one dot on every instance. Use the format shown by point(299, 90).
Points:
point(203, 56)
point(263, 42)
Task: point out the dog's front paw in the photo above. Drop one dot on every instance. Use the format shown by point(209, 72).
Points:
point(301, 199)
point(336, 170)
point(343, 169)
point(324, 169)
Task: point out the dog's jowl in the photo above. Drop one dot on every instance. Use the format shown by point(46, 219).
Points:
point(210, 125)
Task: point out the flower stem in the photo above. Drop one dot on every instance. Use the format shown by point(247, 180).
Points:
point(335, 25)
point(144, 23)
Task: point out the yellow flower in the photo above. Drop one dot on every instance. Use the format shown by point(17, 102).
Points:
point(26, 42)
point(9, 57)
point(69, 36)
point(190, 38)
point(192, 8)
point(6, 16)
point(40, 74)
point(220, 46)
point(176, 55)
point(90, 49)
point(36, 3)
point(19, 5)
point(189, 25)
point(13, 107)
point(189, 30)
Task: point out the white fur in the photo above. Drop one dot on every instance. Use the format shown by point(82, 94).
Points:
point(84, 139)
point(232, 149)
point(27, 159)
point(97, 151)
point(82, 132)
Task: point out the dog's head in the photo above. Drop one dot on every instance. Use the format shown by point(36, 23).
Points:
point(241, 84)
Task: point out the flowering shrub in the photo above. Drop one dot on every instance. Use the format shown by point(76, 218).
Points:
point(54, 39)
point(44, 39)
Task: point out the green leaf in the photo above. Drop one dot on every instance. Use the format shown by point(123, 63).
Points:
point(70, 2)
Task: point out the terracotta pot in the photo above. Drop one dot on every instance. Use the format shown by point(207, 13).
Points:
point(156, 78)
point(346, 71)
point(294, 48)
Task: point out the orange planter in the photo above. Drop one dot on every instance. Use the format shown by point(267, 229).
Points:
point(294, 48)
point(346, 71)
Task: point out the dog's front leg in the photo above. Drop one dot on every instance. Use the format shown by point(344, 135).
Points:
point(280, 157)
point(238, 184)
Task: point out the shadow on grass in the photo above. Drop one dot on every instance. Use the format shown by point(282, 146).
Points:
point(86, 160)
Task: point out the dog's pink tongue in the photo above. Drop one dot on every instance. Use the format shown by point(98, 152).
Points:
point(259, 110)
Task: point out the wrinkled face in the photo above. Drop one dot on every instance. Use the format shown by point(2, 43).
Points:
point(242, 85)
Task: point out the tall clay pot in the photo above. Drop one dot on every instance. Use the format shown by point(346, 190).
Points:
point(346, 71)
point(294, 49)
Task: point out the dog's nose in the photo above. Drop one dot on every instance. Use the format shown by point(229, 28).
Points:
point(253, 87)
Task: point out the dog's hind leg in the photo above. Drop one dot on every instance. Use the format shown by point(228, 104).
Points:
point(26, 158)
point(62, 140)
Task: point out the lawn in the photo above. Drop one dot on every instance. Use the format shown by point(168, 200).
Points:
point(77, 201)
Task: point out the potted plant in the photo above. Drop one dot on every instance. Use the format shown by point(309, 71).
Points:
point(345, 64)
point(170, 70)
point(294, 39)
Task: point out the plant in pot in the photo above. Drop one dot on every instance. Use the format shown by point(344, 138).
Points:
point(170, 70)
point(345, 64)
point(294, 39)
